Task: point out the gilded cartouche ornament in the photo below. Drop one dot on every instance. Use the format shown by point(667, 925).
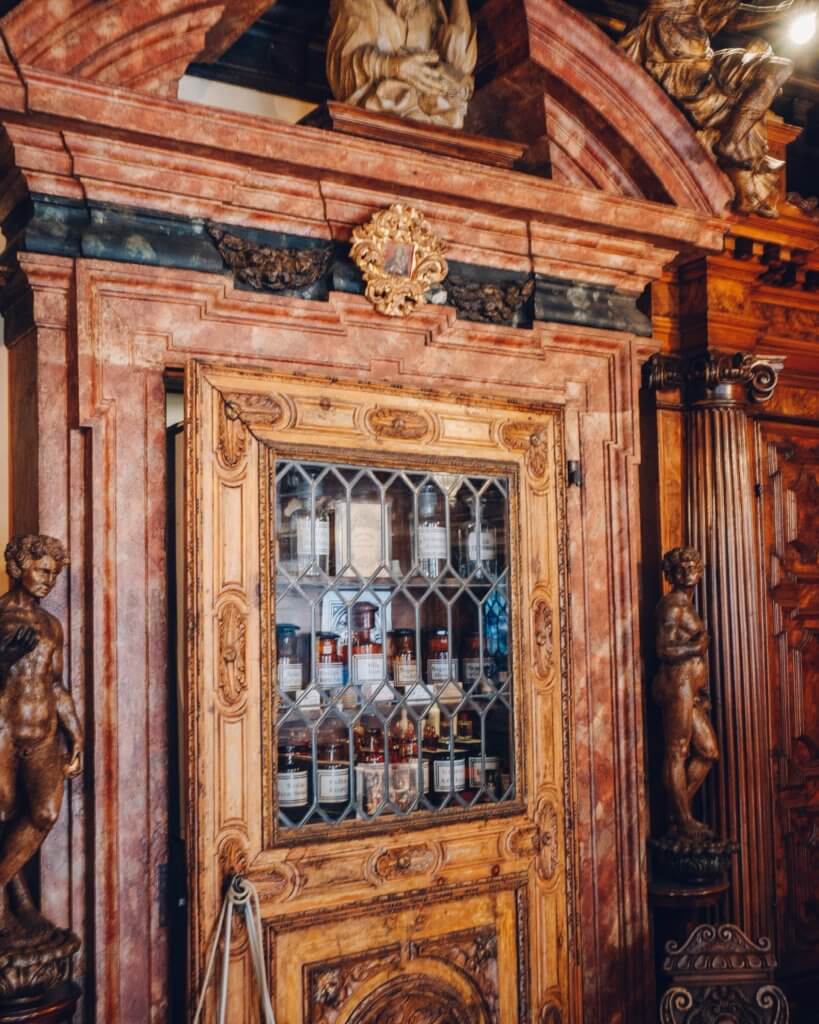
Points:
point(400, 258)
point(725, 93)
point(411, 58)
point(41, 745)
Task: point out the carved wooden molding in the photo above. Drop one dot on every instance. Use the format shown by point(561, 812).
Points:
point(232, 656)
point(268, 268)
point(547, 843)
point(532, 439)
point(398, 424)
point(402, 861)
point(400, 258)
point(716, 377)
point(542, 635)
point(473, 952)
point(330, 986)
point(488, 302)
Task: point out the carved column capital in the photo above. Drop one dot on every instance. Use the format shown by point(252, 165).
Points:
point(714, 378)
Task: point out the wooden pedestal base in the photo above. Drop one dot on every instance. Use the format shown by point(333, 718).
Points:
point(54, 1007)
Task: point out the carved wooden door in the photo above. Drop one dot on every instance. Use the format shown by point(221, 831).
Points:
point(404, 828)
point(790, 477)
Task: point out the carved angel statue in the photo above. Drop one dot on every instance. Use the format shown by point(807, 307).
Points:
point(725, 93)
point(412, 58)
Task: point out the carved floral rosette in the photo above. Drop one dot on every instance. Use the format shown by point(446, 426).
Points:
point(400, 258)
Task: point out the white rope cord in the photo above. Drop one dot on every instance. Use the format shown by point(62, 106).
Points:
point(242, 897)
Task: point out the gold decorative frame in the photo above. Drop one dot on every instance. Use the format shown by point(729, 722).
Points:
point(400, 257)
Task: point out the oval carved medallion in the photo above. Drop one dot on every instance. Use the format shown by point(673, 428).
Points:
point(414, 1000)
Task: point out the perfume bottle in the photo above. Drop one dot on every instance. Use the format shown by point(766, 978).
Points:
point(432, 546)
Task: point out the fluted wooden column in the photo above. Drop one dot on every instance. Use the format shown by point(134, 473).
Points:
point(719, 391)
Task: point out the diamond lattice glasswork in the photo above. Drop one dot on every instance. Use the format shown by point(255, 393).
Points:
point(393, 652)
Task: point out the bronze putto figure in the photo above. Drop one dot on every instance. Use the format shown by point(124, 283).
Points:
point(41, 744)
point(412, 58)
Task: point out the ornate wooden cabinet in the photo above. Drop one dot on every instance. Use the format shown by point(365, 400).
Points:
point(790, 477)
point(377, 698)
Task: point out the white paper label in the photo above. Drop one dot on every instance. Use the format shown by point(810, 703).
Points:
point(368, 668)
point(292, 789)
point(472, 669)
point(476, 771)
point(444, 773)
point(330, 674)
point(333, 785)
point(440, 670)
point(487, 552)
point(432, 542)
point(404, 671)
point(289, 676)
point(304, 537)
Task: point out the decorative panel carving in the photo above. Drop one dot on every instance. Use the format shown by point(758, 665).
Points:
point(403, 861)
point(232, 633)
point(791, 521)
point(403, 424)
point(330, 987)
point(474, 953)
point(532, 439)
point(543, 634)
point(413, 1001)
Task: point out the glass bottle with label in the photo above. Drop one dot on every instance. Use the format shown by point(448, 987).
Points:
point(441, 669)
point(293, 779)
point(289, 667)
point(404, 663)
point(472, 664)
point(433, 548)
point(370, 770)
point(330, 667)
point(368, 660)
point(333, 769)
point(303, 524)
point(448, 773)
point(478, 546)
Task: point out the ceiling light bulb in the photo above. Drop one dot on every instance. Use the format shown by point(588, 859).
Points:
point(803, 28)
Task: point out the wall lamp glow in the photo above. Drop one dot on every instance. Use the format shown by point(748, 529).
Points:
point(803, 28)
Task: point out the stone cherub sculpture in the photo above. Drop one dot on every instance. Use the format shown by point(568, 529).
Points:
point(725, 93)
point(412, 58)
point(41, 744)
point(681, 690)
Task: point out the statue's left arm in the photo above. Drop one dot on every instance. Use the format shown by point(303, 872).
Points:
point(67, 715)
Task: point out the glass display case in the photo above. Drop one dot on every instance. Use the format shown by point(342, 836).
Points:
point(394, 672)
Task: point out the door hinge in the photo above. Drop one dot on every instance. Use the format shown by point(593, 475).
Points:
point(574, 473)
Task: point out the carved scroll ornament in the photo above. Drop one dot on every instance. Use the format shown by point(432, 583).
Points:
point(275, 270)
point(232, 630)
point(543, 635)
point(398, 424)
point(488, 302)
point(721, 377)
point(531, 439)
point(400, 258)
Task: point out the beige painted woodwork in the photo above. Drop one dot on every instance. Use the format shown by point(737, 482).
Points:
point(463, 912)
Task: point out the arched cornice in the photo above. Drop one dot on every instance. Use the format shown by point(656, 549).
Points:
point(549, 76)
point(144, 46)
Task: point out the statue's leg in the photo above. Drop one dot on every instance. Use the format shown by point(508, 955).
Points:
point(706, 751)
point(8, 806)
point(43, 778)
point(756, 100)
point(678, 711)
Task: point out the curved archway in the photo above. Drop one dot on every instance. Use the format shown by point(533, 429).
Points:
point(418, 999)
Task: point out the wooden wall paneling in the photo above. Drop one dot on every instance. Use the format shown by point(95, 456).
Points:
point(789, 473)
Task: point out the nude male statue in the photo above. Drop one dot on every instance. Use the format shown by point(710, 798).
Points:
point(680, 688)
point(35, 711)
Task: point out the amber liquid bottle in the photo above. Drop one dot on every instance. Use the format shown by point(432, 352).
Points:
point(333, 769)
point(294, 776)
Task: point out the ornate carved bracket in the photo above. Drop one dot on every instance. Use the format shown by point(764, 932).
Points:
point(488, 302)
point(267, 268)
point(711, 377)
